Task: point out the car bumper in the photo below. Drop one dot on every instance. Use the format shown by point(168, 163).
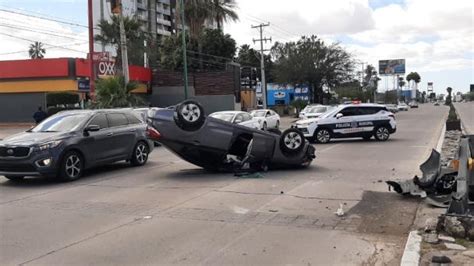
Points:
point(29, 166)
point(305, 130)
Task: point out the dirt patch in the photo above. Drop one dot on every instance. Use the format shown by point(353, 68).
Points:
point(385, 213)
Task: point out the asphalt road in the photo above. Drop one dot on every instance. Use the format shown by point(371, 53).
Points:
point(466, 112)
point(170, 211)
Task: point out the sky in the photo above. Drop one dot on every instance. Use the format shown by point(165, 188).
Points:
point(435, 37)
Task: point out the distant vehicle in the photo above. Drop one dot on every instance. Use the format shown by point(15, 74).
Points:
point(237, 117)
point(402, 107)
point(266, 118)
point(348, 121)
point(314, 111)
point(219, 145)
point(436, 103)
point(392, 108)
point(303, 112)
point(413, 104)
point(67, 143)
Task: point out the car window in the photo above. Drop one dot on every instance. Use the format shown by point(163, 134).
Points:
point(223, 116)
point(247, 117)
point(116, 120)
point(61, 123)
point(239, 117)
point(349, 111)
point(132, 119)
point(100, 120)
point(258, 113)
point(367, 110)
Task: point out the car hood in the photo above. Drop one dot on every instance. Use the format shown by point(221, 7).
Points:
point(32, 138)
point(307, 121)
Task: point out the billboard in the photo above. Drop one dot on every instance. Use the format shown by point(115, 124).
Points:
point(392, 66)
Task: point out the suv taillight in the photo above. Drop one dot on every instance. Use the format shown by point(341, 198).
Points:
point(152, 133)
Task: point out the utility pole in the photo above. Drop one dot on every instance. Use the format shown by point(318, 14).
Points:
point(91, 50)
point(183, 43)
point(262, 60)
point(123, 46)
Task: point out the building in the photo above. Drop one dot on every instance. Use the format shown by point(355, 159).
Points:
point(25, 83)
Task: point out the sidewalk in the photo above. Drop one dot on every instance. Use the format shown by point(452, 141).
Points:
point(12, 128)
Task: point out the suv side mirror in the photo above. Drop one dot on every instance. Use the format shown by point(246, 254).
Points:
point(339, 115)
point(92, 128)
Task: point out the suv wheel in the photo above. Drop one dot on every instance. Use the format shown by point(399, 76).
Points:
point(14, 177)
point(189, 115)
point(292, 141)
point(322, 135)
point(381, 133)
point(71, 167)
point(140, 154)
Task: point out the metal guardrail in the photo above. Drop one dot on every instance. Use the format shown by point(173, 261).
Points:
point(462, 203)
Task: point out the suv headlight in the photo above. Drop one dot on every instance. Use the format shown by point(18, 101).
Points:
point(48, 145)
point(305, 124)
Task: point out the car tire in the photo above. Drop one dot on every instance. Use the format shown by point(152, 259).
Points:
point(189, 115)
point(277, 124)
point(71, 167)
point(140, 154)
point(381, 133)
point(292, 141)
point(14, 178)
point(322, 135)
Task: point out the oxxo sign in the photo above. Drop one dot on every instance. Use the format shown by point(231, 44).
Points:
point(106, 68)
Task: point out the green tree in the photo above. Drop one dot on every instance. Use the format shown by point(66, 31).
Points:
point(113, 92)
point(110, 35)
point(224, 11)
point(36, 50)
point(218, 49)
point(448, 98)
point(250, 58)
point(311, 61)
point(415, 77)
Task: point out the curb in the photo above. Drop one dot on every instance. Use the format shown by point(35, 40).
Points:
point(411, 254)
point(439, 145)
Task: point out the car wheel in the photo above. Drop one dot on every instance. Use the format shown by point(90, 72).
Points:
point(14, 177)
point(72, 166)
point(140, 154)
point(381, 133)
point(189, 115)
point(292, 141)
point(322, 135)
point(277, 124)
point(264, 127)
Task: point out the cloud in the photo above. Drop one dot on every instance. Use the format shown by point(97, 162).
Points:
point(59, 40)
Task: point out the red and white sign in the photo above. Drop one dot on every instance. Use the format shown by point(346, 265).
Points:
point(106, 68)
point(101, 56)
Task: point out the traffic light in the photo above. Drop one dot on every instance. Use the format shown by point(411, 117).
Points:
point(115, 6)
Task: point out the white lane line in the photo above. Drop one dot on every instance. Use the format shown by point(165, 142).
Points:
point(327, 149)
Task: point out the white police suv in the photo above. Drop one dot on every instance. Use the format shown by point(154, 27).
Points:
point(349, 121)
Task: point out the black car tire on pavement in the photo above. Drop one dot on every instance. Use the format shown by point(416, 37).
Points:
point(322, 135)
point(292, 141)
point(140, 154)
point(72, 166)
point(14, 178)
point(189, 115)
point(381, 133)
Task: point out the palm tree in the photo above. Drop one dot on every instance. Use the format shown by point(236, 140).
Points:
point(223, 11)
point(113, 92)
point(36, 50)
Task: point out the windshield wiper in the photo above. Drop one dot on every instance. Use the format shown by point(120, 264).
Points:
point(47, 131)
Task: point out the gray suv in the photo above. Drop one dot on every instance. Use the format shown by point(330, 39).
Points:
point(66, 144)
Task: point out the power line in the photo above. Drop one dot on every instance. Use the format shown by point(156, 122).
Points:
point(45, 18)
point(42, 32)
point(39, 13)
point(29, 40)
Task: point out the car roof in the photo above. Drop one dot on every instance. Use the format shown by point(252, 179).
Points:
point(363, 105)
point(228, 112)
point(95, 111)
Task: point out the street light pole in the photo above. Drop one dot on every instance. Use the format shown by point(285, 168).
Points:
point(183, 43)
point(91, 51)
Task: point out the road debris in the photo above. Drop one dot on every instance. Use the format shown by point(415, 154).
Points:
point(454, 246)
point(446, 238)
point(340, 211)
point(431, 238)
point(441, 259)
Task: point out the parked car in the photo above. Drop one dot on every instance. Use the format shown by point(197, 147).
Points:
point(303, 112)
point(402, 107)
point(392, 108)
point(266, 118)
point(348, 121)
point(315, 111)
point(237, 117)
point(67, 143)
point(219, 145)
point(413, 104)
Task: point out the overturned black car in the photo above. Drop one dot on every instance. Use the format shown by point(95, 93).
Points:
point(218, 145)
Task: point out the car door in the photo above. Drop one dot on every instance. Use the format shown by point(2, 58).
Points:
point(365, 119)
point(345, 126)
point(122, 135)
point(95, 144)
point(269, 119)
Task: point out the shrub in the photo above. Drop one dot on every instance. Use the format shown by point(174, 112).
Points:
point(62, 98)
point(452, 116)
